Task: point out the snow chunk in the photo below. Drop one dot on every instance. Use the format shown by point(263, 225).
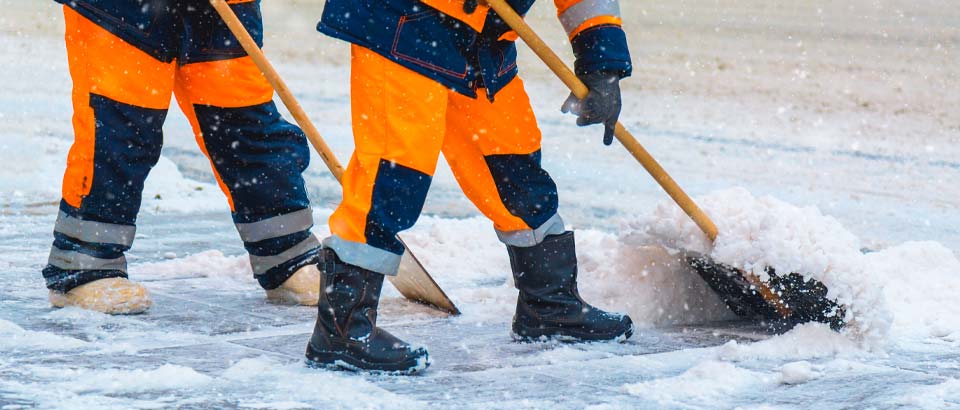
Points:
point(798, 373)
point(706, 383)
point(939, 396)
point(921, 283)
point(166, 190)
point(322, 389)
point(806, 341)
point(112, 381)
point(207, 264)
point(14, 337)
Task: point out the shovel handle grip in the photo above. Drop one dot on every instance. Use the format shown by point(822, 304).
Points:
point(299, 115)
point(579, 89)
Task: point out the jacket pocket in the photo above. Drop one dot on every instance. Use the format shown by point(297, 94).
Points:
point(426, 39)
point(507, 50)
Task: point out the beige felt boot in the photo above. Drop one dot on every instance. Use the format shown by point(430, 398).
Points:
point(303, 288)
point(114, 296)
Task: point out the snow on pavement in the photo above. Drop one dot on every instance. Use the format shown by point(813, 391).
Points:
point(854, 164)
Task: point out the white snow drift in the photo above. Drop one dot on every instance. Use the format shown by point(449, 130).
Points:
point(906, 291)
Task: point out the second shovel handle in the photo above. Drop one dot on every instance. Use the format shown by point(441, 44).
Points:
point(299, 115)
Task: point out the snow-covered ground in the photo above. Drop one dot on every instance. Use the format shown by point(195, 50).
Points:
point(845, 107)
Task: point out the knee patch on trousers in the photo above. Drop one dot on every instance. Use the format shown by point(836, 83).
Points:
point(396, 203)
point(525, 188)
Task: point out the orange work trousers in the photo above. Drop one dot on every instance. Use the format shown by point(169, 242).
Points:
point(402, 121)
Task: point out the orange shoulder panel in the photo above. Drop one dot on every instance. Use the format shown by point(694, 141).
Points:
point(454, 8)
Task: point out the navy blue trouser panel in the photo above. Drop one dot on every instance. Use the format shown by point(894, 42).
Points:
point(260, 157)
point(258, 154)
point(398, 197)
point(128, 143)
point(527, 190)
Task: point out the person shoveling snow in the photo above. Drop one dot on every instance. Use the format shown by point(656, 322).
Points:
point(784, 296)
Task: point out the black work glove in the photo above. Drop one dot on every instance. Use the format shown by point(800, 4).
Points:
point(470, 6)
point(601, 106)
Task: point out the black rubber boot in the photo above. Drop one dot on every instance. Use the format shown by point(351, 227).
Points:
point(346, 335)
point(549, 305)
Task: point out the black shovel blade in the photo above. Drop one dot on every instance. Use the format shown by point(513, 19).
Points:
point(805, 299)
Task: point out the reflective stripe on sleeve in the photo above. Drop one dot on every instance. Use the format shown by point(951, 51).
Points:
point(578, 14)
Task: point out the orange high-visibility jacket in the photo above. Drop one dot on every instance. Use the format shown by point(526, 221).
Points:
point(464, 51)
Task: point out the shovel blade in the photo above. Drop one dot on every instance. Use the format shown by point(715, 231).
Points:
point(804, 300)
point(414, 283)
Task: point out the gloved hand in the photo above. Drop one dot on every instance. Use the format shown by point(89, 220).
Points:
point(470, 6)
point(601, 106)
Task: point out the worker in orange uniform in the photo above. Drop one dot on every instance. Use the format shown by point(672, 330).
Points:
point(432, 76)
point(126, 60)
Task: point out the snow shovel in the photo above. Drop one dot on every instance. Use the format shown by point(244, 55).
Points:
point(412, 280)
point(785, 300)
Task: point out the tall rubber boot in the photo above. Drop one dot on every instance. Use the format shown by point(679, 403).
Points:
point(549, 305)
point(346, 336)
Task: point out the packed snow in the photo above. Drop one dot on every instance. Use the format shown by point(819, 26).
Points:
point(845, 152)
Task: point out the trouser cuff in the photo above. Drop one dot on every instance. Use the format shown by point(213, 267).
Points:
point(526, 238)
point(65, 280)
point(275, 276)
point(364, 256)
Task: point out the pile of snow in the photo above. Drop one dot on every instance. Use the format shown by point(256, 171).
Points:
point(206, 264)
point(312, 389)
point(921, 281)
point(904, 291)
point(37, 178)
point(15, 338)
point(705, 384)
point(934, 397)
point(167, 190)
point(806, 341)
point(33, 177)
point(262, 383)
point(116, 381)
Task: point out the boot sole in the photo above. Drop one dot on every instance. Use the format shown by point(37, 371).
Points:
point(567, 336)
point(340, 361)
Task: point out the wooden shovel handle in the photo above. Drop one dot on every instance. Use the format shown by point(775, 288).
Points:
point(506, 12)
point(250, 46)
